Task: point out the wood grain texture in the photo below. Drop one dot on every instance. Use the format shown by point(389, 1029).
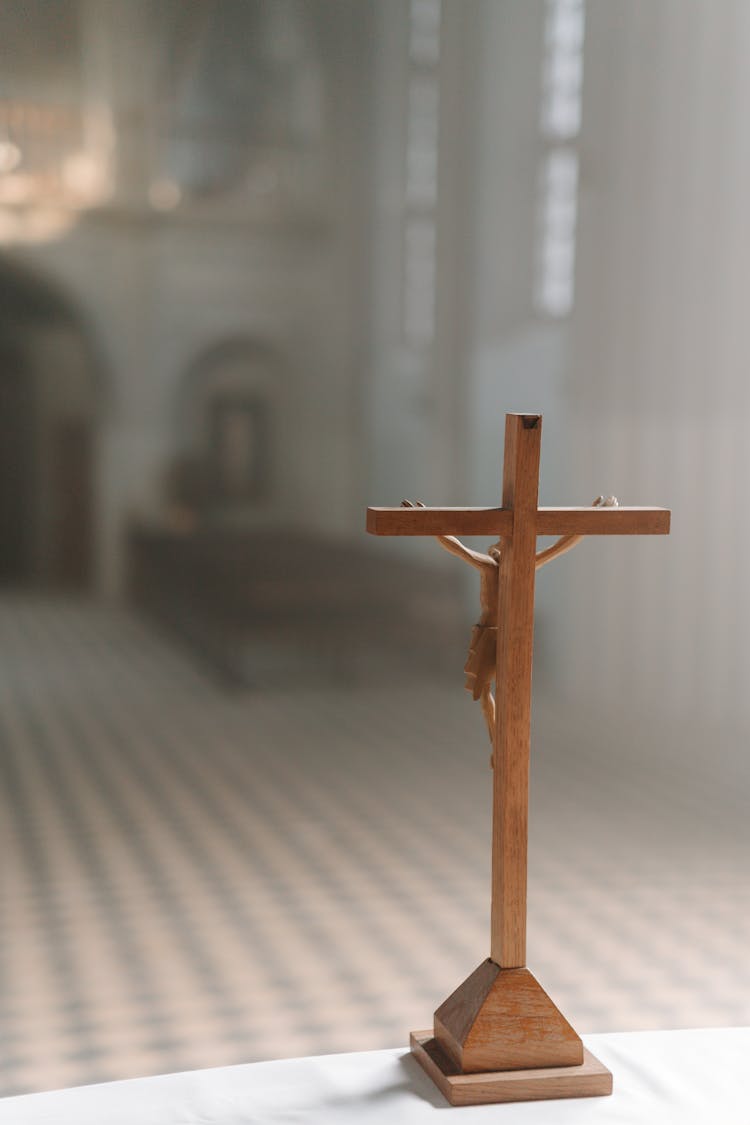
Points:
point(439, 521)
point(603, 521)
point(498, 522)
point(515, 632)
point(590, 1079)
point(502, 1019)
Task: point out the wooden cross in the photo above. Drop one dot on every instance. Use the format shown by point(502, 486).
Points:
point(502, 988)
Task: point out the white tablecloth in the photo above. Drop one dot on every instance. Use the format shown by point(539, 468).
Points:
point(660, 1077)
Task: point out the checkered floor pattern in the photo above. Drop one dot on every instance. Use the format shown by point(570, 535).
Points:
point(194, 878)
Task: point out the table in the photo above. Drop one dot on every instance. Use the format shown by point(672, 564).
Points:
point(661, 1078)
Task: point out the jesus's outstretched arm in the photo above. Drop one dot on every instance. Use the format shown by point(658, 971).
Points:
point(455, 546)
point(567, 542)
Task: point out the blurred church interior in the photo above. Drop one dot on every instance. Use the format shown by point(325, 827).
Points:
point(263, 262)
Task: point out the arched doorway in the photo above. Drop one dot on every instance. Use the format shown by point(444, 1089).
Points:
point(48, 407)
point(227, 421)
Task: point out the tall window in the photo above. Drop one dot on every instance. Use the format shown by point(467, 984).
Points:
point(562, 79)
point(420, 218)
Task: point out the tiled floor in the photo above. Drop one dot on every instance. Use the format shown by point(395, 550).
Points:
point(193, 878)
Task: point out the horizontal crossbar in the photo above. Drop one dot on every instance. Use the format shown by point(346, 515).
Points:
point(499, 521)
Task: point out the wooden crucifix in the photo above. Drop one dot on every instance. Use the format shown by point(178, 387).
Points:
point(499, 1037)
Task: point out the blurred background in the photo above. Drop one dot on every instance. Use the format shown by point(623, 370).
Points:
point(263, 262)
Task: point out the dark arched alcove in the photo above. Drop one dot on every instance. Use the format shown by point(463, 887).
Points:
point(227, 423)
point(49, 396)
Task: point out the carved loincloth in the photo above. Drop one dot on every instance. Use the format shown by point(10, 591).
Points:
point(480, 663)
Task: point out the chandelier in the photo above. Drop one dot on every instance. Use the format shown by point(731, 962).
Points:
point(56, 161)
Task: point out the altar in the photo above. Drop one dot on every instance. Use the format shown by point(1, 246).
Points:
point(663, 1078)
point(266, 606)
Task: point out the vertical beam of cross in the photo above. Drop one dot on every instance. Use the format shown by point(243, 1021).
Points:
point(523, 434)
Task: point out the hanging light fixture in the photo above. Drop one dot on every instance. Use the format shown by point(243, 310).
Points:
point(55, 162)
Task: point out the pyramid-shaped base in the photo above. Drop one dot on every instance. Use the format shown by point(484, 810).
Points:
point(502, 1019)
point(589, 1080)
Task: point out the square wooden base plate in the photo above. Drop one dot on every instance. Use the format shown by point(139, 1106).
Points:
point(590, 1080)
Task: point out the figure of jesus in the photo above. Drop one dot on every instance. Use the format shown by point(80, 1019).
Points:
point(481, 663)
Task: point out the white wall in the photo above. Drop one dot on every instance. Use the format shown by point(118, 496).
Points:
point(657, 388)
